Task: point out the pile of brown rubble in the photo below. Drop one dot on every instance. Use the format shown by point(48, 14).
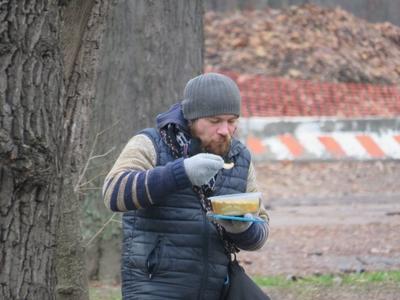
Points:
point(305, 42)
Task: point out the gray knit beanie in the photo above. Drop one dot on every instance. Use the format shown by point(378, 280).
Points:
point(209, 95)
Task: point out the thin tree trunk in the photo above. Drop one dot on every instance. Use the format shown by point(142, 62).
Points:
point(82, 32)
point(150, 50)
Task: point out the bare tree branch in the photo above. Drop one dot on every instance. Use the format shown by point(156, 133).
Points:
point(92, 156)
point(101, 229)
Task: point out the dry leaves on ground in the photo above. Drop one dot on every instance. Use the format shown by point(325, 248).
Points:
point(306, 42)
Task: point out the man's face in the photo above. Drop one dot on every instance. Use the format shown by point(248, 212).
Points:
point(215, 133)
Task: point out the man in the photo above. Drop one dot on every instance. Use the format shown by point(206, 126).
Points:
point(161, 180)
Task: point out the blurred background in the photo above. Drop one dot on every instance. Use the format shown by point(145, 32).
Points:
point(321, 115)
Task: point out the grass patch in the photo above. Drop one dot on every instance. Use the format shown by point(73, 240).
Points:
point(308, 287)
point(329, 280)
point(372, 277)
point(98, 291)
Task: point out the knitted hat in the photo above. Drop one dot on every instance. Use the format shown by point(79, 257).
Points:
point(209, 95)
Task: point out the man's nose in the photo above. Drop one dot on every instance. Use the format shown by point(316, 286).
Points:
point(223, 129)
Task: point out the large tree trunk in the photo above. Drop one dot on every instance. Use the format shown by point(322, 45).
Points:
point(31, 95)
point(42, 138)
point(151, 49)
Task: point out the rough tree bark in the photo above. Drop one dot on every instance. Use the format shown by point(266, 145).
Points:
point(81, 36)
point(155, 46)
point(44, 101)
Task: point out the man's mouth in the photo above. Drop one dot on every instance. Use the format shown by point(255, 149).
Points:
point(222, 141)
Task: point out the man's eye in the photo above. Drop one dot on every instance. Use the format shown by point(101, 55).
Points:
point(232, 122)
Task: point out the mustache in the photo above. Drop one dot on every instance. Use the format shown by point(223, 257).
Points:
point(220, 142)
point(219, 147)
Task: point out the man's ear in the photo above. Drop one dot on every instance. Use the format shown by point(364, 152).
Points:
point(235, 133)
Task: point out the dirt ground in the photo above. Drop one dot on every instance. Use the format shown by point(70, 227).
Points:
point(330, 218)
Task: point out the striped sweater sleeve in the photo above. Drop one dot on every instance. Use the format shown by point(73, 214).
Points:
point(257, 234)
point(135, 182)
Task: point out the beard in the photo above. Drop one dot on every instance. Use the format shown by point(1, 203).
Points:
point(220, 147)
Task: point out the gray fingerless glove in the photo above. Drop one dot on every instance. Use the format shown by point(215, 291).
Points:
point(234, 226)
point(202, 167)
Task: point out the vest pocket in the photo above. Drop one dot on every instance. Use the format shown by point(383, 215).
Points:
point(154, 258)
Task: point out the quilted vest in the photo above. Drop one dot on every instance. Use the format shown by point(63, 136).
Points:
point(172, 251)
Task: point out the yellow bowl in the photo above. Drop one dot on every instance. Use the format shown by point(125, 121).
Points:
point(236, 204)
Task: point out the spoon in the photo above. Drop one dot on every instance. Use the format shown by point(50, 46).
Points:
point(228, 166)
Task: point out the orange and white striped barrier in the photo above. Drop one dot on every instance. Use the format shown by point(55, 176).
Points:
point(315, 139)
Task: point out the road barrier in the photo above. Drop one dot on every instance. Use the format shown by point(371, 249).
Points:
point(303, 138)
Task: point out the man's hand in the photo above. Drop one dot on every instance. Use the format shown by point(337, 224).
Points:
point(232, 226)
point(202, 167)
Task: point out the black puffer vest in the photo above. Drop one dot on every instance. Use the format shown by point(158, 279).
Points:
point(172, 251)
